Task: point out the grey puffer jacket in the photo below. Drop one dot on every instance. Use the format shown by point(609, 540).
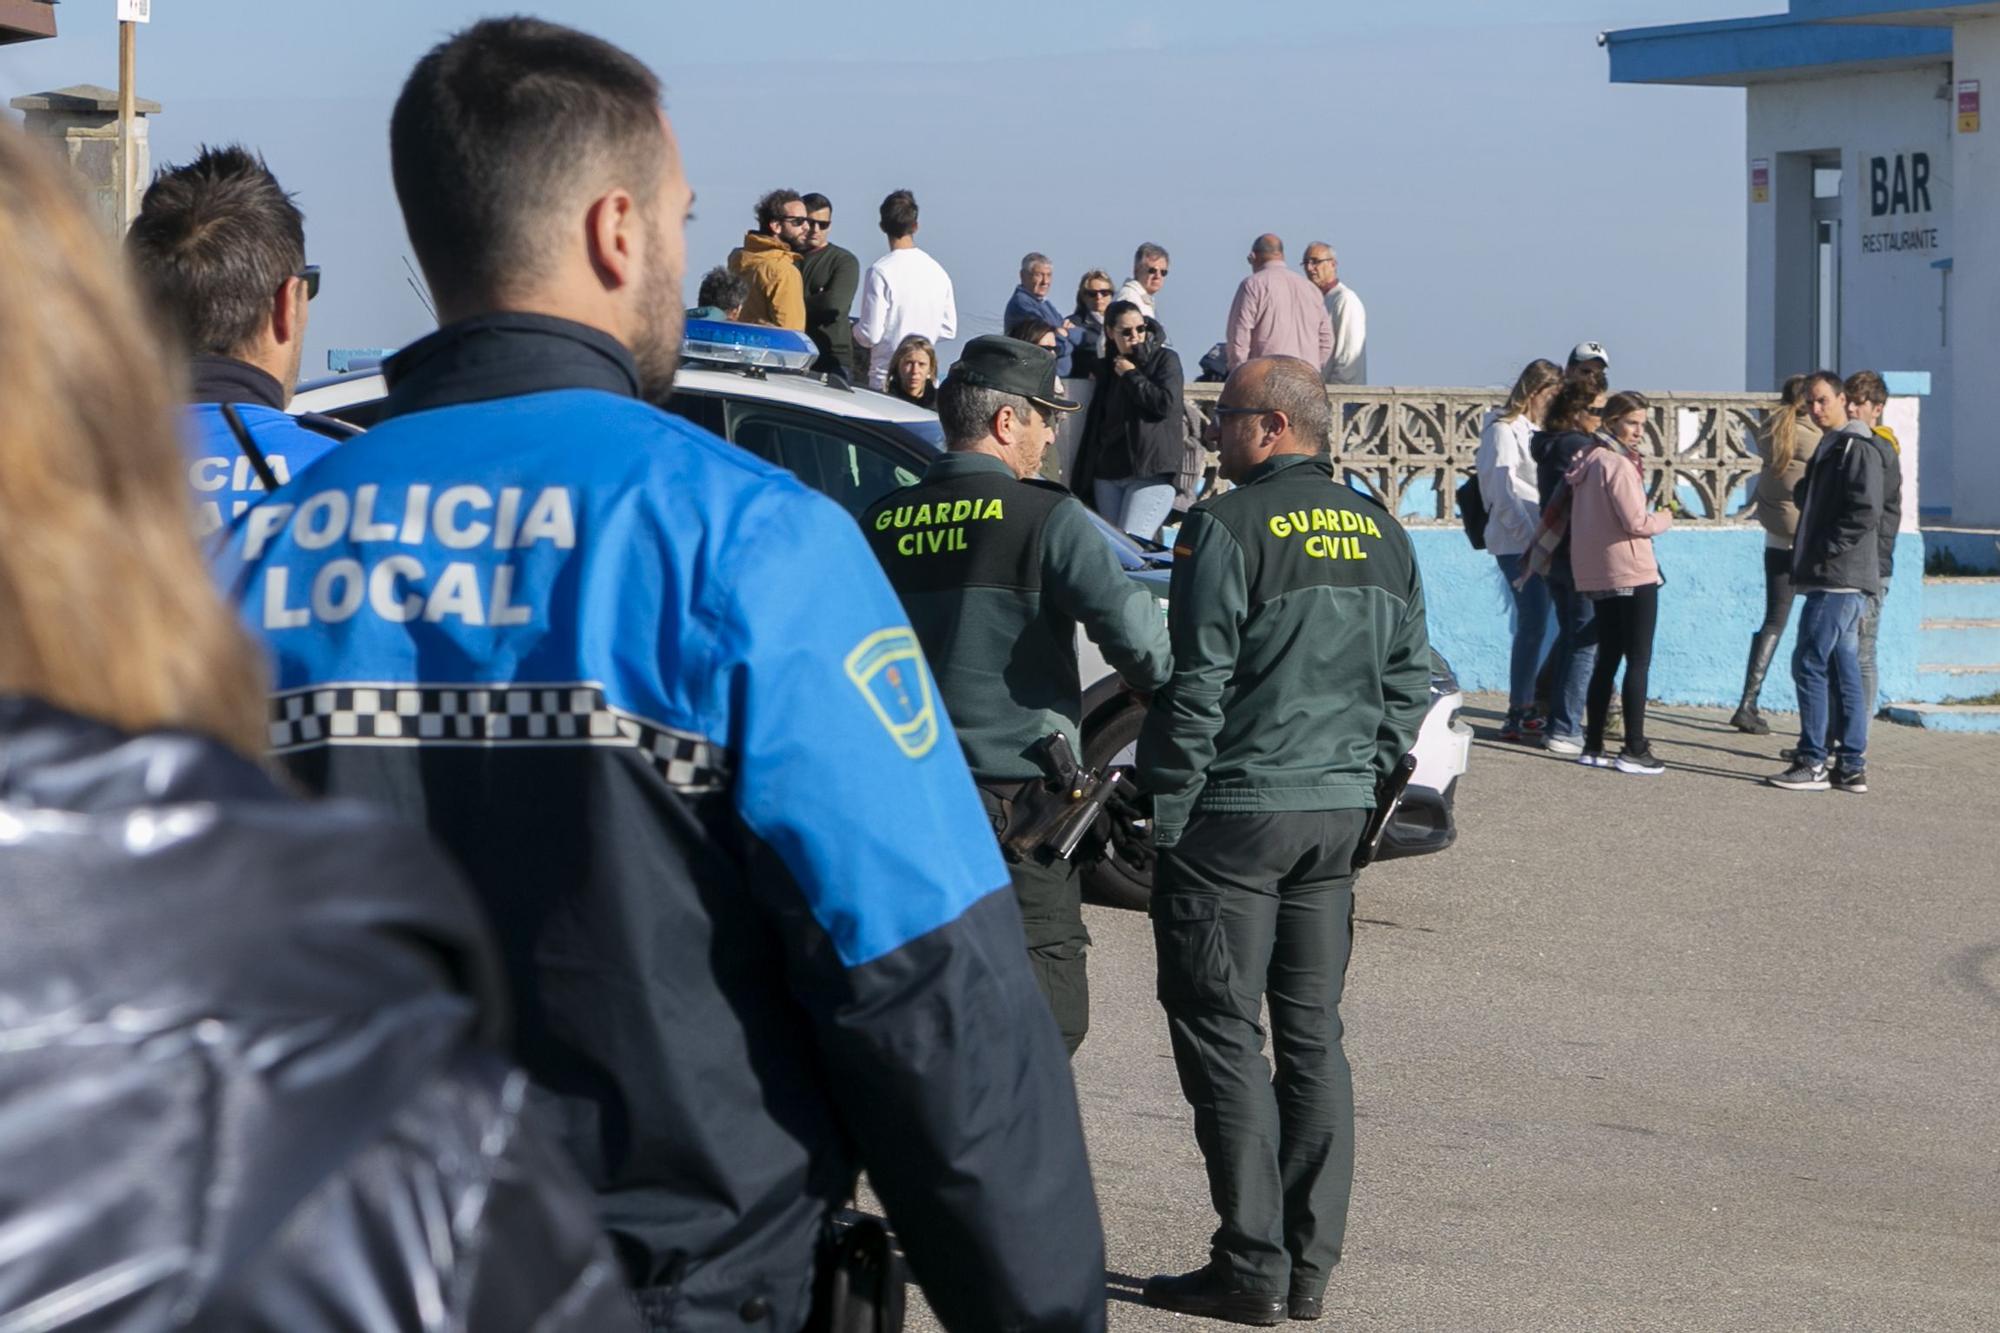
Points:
point(243, 1066)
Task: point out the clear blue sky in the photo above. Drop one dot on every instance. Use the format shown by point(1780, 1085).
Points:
point(1492, 196)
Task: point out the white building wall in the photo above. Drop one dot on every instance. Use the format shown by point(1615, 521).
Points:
point(1892, 315)
point(1975, 286)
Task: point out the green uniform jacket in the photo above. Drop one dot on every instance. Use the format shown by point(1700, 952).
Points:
point(1301, 665)
point(996, 574)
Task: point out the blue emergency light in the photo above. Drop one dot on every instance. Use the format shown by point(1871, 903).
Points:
point(747, 345)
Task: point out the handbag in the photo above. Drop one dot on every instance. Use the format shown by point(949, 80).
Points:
point(1472, 512)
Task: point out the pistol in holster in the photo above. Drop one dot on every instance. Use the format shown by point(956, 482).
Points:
point(1051, 816)
point(859, 1277)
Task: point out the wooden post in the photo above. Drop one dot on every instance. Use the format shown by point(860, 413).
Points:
point(128, 189)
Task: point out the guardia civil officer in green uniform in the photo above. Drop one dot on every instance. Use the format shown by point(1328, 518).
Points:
point(1301, 675)
point(997, 568)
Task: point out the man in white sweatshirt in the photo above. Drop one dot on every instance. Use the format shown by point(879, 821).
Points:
point(1349, 362)
point(904, 292)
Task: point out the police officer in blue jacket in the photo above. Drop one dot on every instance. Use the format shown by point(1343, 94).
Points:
point(658, 699)
point(221, 250)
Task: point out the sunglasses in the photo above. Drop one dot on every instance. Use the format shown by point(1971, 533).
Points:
point(310, 276)
point(800, 221)
point(1152, 272)
point(1097, 293)
point(817, 225)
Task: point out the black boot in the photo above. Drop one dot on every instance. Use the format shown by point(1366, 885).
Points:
point(1212, 1293)
point(1747, 718)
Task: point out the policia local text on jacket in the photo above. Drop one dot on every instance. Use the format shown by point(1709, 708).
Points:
point(996, 573)
point(658, 700)
point(1301, 675)
point(243, 1061)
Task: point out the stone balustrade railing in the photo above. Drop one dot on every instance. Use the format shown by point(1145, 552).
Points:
point(1411, 447)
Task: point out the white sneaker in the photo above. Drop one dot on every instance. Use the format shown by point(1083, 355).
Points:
point(1563, 745)
point(1593, 759)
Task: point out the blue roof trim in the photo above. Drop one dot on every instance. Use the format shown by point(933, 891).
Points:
point(1889, 11)
point(1739, 52)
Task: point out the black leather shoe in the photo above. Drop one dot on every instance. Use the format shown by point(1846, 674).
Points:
point(1212, 1293)
point(1306, 1307)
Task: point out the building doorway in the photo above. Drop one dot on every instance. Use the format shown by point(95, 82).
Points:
point(1826, 178)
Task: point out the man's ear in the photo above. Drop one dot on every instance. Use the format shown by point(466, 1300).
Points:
point(288, 313)
point(611, 229)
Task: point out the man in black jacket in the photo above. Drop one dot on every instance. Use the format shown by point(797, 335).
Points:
point(658, 700)
point(1837, 564)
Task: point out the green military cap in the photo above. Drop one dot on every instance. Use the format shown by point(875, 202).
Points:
point(1009, 365)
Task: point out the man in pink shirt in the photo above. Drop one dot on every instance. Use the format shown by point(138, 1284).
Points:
point(1277, 312)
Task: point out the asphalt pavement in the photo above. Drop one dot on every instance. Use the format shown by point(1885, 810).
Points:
point(1681, 1052)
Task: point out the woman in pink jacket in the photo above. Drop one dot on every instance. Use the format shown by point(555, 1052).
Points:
point(1611, 554)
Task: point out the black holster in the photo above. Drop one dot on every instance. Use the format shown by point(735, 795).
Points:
point(858, 1277)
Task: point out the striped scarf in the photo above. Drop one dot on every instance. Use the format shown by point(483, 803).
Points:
point(1549, 534)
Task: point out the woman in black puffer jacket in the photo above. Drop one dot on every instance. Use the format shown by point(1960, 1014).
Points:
point(1568, 433)
point(1133, 438)
point(244, 1040)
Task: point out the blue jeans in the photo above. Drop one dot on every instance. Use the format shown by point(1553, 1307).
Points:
point(1575, 656)
point(1830, 642)
point(1138, 505)
point(1531, 627)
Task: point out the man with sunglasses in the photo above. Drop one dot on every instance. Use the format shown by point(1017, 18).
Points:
point(769, 258)
point(832, 275)
point(1149, 274)
point(220, 250)
point(1301, 675)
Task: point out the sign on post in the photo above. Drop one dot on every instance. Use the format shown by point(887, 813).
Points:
point(1760, 180)
point(1968, 106)
point(135, 11)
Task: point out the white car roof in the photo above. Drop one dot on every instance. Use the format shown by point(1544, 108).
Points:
point(330, 395)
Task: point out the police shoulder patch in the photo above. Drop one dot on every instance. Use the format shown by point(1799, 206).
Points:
point(888, 668)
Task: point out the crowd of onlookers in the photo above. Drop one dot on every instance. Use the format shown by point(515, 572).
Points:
point(1561, 502)
point(1135, 448)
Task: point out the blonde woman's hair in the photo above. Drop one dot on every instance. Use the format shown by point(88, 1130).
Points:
point(1780, 432)
point(1537, 376)
point(106, 607)
point(916, 342)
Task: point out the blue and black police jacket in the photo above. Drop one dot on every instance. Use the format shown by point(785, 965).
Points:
point(659, 700)
point(223, 471)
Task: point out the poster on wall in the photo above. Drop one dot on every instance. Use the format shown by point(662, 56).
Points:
point(1968, 106)
point(1760, 180)
point(1900, 190)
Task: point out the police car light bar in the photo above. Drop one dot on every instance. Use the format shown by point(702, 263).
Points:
point(747, 345)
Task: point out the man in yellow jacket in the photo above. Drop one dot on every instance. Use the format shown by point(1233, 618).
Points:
point(769, 258)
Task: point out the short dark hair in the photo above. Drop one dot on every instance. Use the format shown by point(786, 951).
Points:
point(496, 128)
point(899, 214)
point(1830, 377)
point(772, 207)
point(723, 289)
point(213, 243)
point(1030, 329)
point(814, 202)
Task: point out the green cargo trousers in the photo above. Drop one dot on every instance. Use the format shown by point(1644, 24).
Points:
point(1248, 908)
point(1051, 899)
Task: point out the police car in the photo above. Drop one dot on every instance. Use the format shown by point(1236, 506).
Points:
point(753, 386)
